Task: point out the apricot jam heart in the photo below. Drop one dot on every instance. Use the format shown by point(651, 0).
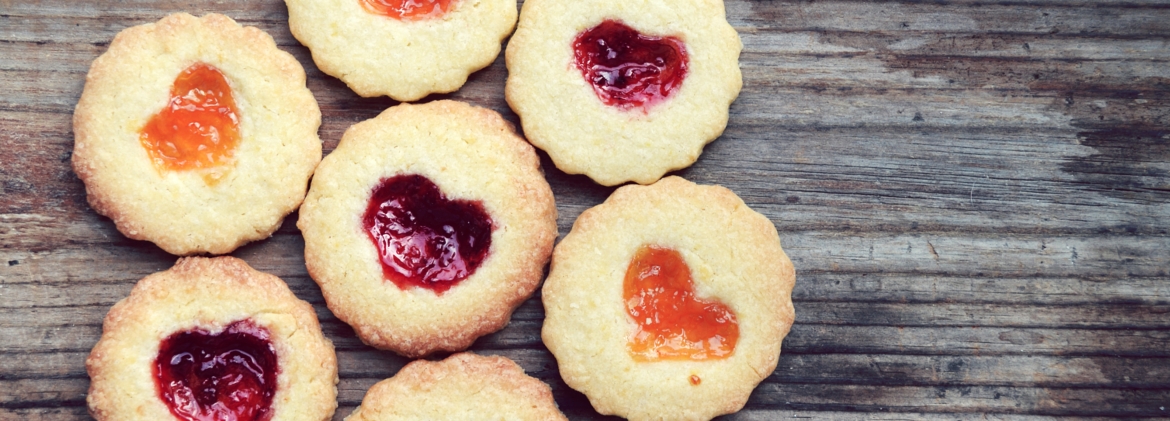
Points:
point(672, 323)
point(198, 128)
point(230, 375)
point(423, 238)
point(408, 10)
point(629, 70)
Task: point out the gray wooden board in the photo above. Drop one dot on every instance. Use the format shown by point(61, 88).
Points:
point(975, 196)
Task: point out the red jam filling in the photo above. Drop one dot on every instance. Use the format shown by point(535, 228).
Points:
point(672, 323)
point(423, 238)
point(225, 376)
point(198, 128)
point(408, 10)
point(627, 69)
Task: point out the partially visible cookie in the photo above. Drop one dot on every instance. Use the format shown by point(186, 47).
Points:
point(196, 134)
point(619, 90)
point(462, 387)
point(427, 226)
point(668, 301)
point(403, 49)
point(212, 338)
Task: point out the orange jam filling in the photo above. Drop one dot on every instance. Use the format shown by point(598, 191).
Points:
point(408, 10)
point(198, 128)
point(672, 323)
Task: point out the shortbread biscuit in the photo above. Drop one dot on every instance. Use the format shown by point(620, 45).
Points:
point(405, 59)
point(562, 114)
point(462, 387)
point(148, 337)
point(734, 258)
point(201, 210)
point(475, 159)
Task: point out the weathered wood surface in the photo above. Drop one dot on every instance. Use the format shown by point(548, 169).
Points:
point(976, 197)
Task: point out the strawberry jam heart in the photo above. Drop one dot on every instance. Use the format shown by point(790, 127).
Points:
point(672, 323)
point(423, 238)
point(408, 10)
point(198, 128)
point(230, 375)
point(627, 69)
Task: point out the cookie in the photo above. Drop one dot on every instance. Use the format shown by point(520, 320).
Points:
point(668, 301)
point(212, 338)
point(196, 134)
point(622, 91)
point(427, 226)
point(406, 50)
point(462, 387)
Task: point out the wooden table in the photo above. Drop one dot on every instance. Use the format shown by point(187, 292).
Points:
point(976, 198)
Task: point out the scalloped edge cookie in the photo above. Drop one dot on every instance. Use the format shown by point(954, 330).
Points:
point(407, 60)
point(178, 210)
point(470, 153)
point(562, 115)
point(734, 255)
point(209, 293)
point(463, 386)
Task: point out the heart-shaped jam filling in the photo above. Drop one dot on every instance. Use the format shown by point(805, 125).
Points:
point(230, 375)
point(423, 238)
point(198, 128)
point(408, 10)
point(672, 323)
point(627, 69)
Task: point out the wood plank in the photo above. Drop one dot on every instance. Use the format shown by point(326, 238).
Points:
point(1103, 372)
point(1039, 401)
point(804, 339)
point(979, 255)
point(941, 315)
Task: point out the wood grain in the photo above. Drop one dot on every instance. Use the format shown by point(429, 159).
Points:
point(975, 196)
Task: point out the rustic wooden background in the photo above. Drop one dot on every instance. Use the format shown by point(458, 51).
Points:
point(976, 198)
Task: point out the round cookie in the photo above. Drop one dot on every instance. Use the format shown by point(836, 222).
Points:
point(406, 59)
point(562, 114)
point(474, 159)
point(218, 311)
point(734, 257)
point(212, 209)
point(464, 386)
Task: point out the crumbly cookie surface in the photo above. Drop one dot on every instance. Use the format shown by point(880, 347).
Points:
point(378, 55)
point(464, 386)
point(562, 115)
point(734, 256)
point(470, 153)
point(209, 294)
point(179, 210)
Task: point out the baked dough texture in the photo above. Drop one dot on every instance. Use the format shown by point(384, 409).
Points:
point(462, 387)
point(470, 153)
point(378, 55)
point(209, 294)
point(178, 210)
point(734, 256)
point(561, 114)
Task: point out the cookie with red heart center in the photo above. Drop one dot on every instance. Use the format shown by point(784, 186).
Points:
point(622, 91)
point(212, 338)
point(427, 226)
point(668, 301)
